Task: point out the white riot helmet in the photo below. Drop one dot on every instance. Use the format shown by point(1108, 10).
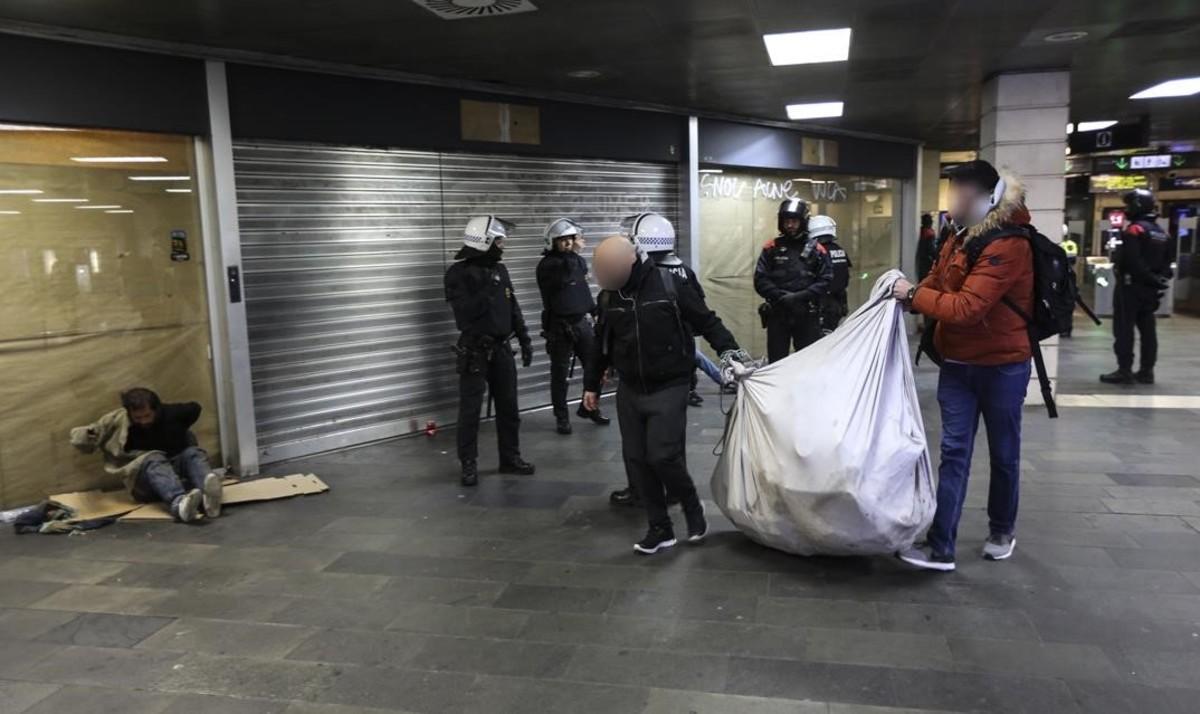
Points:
point(482, 231)
point(819, 226)
point(650, 232)
point(561, 228)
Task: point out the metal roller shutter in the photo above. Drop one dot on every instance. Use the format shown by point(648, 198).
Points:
point(343, 255)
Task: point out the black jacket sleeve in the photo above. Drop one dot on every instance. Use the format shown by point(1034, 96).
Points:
point(518, 319)
point(597, 363)
point(763, 285)
point(695, 281)
point(466, 298)
point(823, 267)
point(704, 321)
point(184, 414)
point(1129, 257)
point(549, 282)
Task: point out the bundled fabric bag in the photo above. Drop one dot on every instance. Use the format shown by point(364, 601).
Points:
point(825, 451)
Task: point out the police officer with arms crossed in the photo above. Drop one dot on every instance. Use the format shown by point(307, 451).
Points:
point(567, 305)
point(834, 304)
point(485, 309)
point(1142, 267)
point(644, 330)
point(792, 275)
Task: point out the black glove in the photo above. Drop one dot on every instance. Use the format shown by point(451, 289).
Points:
point(1162, 283)
point(526, 353)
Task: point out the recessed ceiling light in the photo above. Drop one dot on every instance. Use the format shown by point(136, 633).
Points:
point(123, 210)
point(584, 73)
point(817, 110)
point(1095, 125)
point(21, 191)
point(1173, 88)
point(178, 190)
point(786, 48)
point(1067, 36)
point(160, 178)
point(120, 159)
point(10, 213)
point(32, 127)
point(96, 208)
point(60, 200)
point(712, 171)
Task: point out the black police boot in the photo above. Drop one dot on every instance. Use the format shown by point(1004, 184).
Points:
point(516, 465)
point(624, 497)
point(594, 416)
point(694, 399)
point(1144, 376)
point(1121, 376)
point(470, 473)
point(562, 425)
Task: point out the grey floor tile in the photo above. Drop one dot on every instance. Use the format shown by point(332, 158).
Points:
point(58, 570)
point(810, 681)
point(647, 668)
point(586, 628)
point(210, 704)
point(101, 667)
point(16, 592)
point(886, 649)
point(1122, 698)
point(505, 695)
point(169, 576)
point(345, 586)
point(216, 606)
point(1063, 661)
point(25, 624)
point(307, 708)
point(104, 630)
point(691, 604)
point(957, 621)
point(670, 701)
point(103, 598)
point(18, 697)
point(225, 637)
point(1167, 669)
point(393, 649)
point(970, 692)
point(554, 599)
point(500, 657)
point(371, 563)
point(18, 657)
point(405, 690)
point(247, 677)
point(445, 591)
point(813, 612)
point(438, 619)
point(101, 701)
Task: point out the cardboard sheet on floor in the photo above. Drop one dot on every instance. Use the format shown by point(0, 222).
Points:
point(89, 505)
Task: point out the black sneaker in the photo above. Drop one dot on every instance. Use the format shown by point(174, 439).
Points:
point(563, 426)
point(697, 525)
point(517, 465)
point(656, 539)
point(624, 497)
point(593, 416)
point(1120, 376)
point(1145, 376)
point(694, 399)
point(470, 472)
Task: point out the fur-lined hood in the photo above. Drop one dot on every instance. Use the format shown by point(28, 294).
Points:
point(1011, 211)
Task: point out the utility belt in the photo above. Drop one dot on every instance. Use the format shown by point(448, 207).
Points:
point(563, 329)
point(473, 353)
point(772, 312)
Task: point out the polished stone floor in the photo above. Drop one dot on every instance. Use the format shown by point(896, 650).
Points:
point(399, 591)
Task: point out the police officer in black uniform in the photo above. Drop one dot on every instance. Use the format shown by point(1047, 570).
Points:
point(485, 309)
point(835, 303)
point(644, 330)
point(792, 275)
point(567, 305)
point(1142, 268)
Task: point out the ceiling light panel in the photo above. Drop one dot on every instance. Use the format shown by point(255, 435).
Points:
point(787, 48)
point(1173, 88)
point(817, 110)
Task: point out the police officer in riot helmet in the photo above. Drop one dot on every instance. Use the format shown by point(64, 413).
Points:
point(655, 234)
point(793, 275)
point(1142, 268)
point(567, 305)
point(645, 330)
point(487, 314)
point(835, 303)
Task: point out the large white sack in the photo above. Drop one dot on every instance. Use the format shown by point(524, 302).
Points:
point(825, 451)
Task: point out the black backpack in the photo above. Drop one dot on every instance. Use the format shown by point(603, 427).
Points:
point(1054, 295)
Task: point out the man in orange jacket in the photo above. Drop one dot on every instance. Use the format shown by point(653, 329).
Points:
point(984, 349)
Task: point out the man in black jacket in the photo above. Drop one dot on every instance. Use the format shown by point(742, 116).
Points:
point(567, 305)
point(1142, 267)
point(487, 314)
point(792, 275)
point(645, 331)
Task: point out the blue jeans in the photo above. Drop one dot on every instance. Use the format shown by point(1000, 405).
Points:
point(708, 367)
point(163, 478)
point(964, 393)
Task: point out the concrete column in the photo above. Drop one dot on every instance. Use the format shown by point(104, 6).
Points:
point(1022, 127)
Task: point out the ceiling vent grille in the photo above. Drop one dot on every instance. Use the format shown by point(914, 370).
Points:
point(467, 9)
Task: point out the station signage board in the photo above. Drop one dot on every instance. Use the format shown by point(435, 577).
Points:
point(1114, 183)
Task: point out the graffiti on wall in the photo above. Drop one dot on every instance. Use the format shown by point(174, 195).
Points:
point(822, 190)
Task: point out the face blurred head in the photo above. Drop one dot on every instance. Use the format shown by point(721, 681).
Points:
point(791, 226)
point(562, 245)
point(965, 198)
point(614, 262)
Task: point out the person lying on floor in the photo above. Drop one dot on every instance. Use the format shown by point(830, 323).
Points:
point(151, 446)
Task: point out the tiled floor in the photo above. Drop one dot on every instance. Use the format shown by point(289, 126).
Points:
point(399, 591)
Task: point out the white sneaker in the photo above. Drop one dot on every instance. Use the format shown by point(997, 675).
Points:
point(187, 507)
point(212, 493)
point(923, 558)
point(999, 547)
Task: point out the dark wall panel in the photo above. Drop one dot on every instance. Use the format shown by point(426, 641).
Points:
point(766, 147)
point(46, 82)
point(278, 104)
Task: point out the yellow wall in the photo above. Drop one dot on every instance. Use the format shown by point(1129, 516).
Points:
point(92, 301)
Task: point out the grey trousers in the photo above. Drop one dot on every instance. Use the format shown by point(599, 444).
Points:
point(165, 479)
